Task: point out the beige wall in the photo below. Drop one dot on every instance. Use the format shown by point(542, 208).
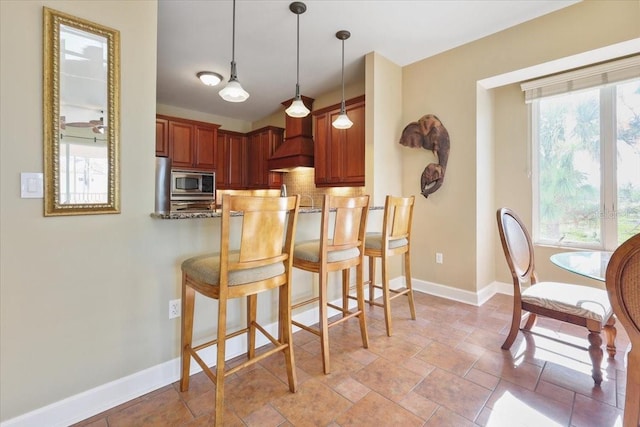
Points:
point(458, 220)
point(83, 299)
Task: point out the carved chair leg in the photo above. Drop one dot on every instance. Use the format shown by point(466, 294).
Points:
point(515, 327)
point(595, 352)
point(531, 322)
point(610, 333)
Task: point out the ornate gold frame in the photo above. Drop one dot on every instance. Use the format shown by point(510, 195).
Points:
point(51, 108)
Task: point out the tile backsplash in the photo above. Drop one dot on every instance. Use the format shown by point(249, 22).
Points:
point(302, 181)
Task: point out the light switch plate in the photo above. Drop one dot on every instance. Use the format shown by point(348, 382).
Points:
point(31, 185)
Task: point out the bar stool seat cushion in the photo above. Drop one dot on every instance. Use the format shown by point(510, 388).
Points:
point(310, 251)
point(206, 268)
point(374, 241)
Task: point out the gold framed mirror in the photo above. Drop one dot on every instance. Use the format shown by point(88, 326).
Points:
point(81, 84)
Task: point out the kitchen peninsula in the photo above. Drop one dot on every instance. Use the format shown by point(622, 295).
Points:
point(217, 213)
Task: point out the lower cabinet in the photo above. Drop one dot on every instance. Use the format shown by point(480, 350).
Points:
point(339, 154)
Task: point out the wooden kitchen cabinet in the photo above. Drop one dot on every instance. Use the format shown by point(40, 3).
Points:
point(231, 160)
point(190, 144)
point(339, 154)
point(162, 138)
point(261, 144)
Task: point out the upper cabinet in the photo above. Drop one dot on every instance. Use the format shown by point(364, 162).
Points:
point(261, 144)
point(339, 154)
point(190, 144)
point(231, 165)
point(162, 137)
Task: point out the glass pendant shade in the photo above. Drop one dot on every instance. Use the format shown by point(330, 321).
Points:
point(233, 91)
point(342, 121)
point(297, 109)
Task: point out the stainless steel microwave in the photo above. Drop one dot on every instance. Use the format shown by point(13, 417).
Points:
point(192, 185)
point(183, 189)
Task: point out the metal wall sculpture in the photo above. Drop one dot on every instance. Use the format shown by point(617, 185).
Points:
point(430, 134)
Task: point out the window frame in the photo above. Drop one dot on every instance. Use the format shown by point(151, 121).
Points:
point(608, 170)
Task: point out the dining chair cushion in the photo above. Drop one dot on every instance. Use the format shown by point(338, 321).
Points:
point(310, 251)
point(206, 268)
point(374, 241)
point(583, 301)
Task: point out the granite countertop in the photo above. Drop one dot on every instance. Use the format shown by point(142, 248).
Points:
point(218, 213)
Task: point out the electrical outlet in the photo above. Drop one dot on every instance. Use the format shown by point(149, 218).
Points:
point(174, 308)
point(439, 258)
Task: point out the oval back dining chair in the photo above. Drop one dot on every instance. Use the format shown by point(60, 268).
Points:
point(623, 286)
point(262, 262)
point(580, 305)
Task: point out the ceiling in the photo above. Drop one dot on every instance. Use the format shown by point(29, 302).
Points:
point(195, 35)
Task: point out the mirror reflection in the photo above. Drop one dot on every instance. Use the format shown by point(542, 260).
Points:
point(81, 111)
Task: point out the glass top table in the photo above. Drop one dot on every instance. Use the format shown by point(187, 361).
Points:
point(591, 264)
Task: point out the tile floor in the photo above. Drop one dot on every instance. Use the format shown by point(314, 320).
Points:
point(443, 369)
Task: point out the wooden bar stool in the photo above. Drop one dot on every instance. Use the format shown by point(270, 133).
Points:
point(340, 247)
point(395, 239)
point(261, 263)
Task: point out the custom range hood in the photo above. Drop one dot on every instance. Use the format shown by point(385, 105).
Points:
point(297, 149)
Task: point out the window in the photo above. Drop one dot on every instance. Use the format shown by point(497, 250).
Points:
point(586, 168)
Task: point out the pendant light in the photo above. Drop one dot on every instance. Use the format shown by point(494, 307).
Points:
point(233, 91)
point(342, 121)
point(297, 107)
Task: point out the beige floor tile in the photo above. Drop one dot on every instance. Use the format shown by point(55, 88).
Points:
point(461, 396)
point(314, 404)
point(388, 379)
point(444, 357)
point(446, 418)
point(374, 409)
point(590, 413)
point(519, 402)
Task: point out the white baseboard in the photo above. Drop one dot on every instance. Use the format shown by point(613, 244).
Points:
point(461, 295)
point(99, 399)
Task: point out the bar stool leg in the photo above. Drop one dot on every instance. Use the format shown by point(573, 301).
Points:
point(345, 291)
point(286, 334)
point(372, 279)
point(360, 297)
point(407, 273)
point(188, 299)
point(324, 322)
point(252, 304)
point(386, 300)
point(222, 331)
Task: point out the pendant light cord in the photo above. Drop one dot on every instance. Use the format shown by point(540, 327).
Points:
point(298, 56)
point(342, 108)
point(233, 34)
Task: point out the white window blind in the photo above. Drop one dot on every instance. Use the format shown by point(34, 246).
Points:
point(583, 78)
